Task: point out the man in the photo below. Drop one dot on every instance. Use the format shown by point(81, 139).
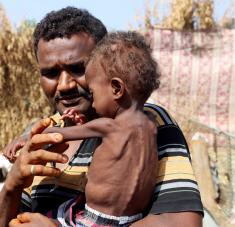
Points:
point(63, 41)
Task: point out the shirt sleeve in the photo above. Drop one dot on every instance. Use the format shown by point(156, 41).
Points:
point(176, 188)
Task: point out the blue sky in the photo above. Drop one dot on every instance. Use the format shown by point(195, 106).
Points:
point(116, 14)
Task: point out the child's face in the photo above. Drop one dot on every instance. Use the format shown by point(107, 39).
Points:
point(101, 90)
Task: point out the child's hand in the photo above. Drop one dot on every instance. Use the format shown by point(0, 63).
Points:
point(10, 151)
point(74, 115)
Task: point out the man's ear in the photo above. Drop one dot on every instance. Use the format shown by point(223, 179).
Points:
point(118, 87)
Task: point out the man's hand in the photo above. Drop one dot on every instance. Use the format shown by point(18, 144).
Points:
point(33, 158)
point(31, 161)
point(32, 220)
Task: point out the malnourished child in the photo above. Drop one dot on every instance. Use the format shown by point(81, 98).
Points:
point(121, 75)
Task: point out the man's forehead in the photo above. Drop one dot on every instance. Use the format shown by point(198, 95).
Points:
point(76, 47)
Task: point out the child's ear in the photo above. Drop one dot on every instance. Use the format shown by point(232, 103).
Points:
point(118, 87)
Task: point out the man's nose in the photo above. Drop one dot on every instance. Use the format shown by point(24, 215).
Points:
point(66, 82)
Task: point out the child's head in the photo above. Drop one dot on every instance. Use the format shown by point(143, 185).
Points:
point(125, 60)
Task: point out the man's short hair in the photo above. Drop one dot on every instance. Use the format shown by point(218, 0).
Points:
point(127, 55)
point(67, 22)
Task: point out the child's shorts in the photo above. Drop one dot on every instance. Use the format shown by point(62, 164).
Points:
point(93, 218)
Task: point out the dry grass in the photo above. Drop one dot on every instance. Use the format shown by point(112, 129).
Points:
point(184, 15)
point(22, 98)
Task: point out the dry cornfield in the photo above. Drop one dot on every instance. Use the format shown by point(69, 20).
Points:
point(22, 99)
point(185, 15)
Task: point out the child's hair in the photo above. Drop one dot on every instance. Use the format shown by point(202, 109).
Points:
point(127, 55)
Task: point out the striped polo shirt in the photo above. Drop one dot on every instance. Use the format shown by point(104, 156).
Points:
point(176, 189)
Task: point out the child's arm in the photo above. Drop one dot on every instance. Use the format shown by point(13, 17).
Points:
point(96, 128)
point(11, 150)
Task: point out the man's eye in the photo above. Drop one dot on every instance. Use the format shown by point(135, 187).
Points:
point(50, 73)
point(77, 69)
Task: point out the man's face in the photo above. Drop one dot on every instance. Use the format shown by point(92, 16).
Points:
point(61, 63)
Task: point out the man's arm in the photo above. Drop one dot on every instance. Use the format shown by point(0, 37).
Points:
point(9, 204)
point(176, 200)
point(95, 128)
point(189, 219)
